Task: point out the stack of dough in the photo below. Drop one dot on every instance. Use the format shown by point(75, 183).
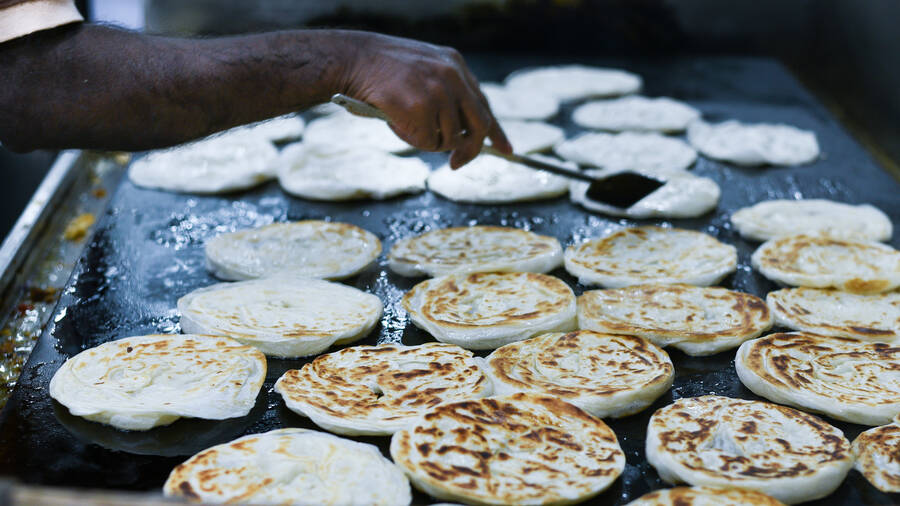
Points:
point(283, 316)
point(873, 317)
point(705, 496)
point(651, 153)
point(821, 262)
point(603, 374)
point(718, 441)
point(641, 255)
point(378, 390)
point(683, 195)
point(570, 82)
point(311, 248)
point(843, 378)
point(519, 104)
point(475, 249)
point(754, 144)
point(484, 311)
point(290, 466)
point(779, 218)
point(697, 320)
point(877, 453)
point(517, 449)
point(636, 113)
point(138, 383)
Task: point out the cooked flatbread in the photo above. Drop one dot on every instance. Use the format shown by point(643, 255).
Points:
point(778, 218)
point(877, 453)
point(334, 173)
point(570, 82)
point(282, 316)
point(754, 144)
point(705, 496)
point(311, 248)
point(822, 262)
point(718, 441)
point(697, 320)
point(682, 196)
point(874, 317)
point(283, 128)
point(493, 180)
point(604, 374)
point(636, 113)
point(483, 311)
point(650, 153)
point(138, 383)
point(843, 378)
point(516, 449)
point(640, 255)
point(347, 131)
point(531, 136)
point(522, 104)
point(220, 164)
point(290, 466)
point(378, 390)
point(479, 248)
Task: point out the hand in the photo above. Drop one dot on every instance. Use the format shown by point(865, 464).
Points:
point(433, 100)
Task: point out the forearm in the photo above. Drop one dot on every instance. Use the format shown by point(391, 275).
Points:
point(96, 87)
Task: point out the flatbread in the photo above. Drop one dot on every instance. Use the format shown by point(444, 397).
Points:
point(779, 218)
point(873, 317)
point(877, 453)
point(311, 248)
point(822, 262)
point(479, 248)
point(571, 82)
point(378, 390)
point(516, 449)
point(141, 382)
point(843, 378)
point(520, 104)
point(603, 374)
point(641, 255)
point(220, 164)
point(493, 180)
point(697, 320)
point(531, 136)
point(334, 173)
point(347, 131)
point(660, 114)
point(281, 129)
point(650, 153)
point(718, 441)
point(682, 196)
point(282, 316)
point(704, 496)
point(290, 466)
point(483, 311)
point(754, 144)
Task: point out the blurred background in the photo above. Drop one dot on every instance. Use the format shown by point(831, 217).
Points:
point(846, 52)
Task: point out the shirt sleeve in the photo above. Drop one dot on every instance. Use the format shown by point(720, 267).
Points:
point(21, 17)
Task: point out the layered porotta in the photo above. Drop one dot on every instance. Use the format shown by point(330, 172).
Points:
point(509, 450)
point(310, 248)
point(641, 255)
point(874, 317)
point(779, 218)
point(138, 383)
point(636, 113)
point(378, 390)
point(754, 144)
point(705, 496)
point(475, 249)
point(290, 466)
point(683, 195)
point(877, 453)
point(571, 82)
point(697, 320)
point(718, 441)
point(282, 316)
point(651, 153)
point(603, 374)
point(843, 378)
point(823, 262)
point(483, 311)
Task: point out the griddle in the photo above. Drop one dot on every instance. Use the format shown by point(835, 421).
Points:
point(148, 251)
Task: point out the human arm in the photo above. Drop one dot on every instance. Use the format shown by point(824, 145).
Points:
point(90, 86)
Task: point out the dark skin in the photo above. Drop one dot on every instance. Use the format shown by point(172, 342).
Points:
point(94, 87)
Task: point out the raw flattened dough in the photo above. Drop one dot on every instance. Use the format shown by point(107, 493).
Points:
point(683, 195)
point(636, 113)
point(521, 104)
point(754, 144)
point(649, 153)
point(570, 82)
point(777, 218)
point(492, 180)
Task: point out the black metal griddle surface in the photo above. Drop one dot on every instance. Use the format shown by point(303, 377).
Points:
point(148, 251)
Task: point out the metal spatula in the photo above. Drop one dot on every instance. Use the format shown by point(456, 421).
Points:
point(622, 189)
